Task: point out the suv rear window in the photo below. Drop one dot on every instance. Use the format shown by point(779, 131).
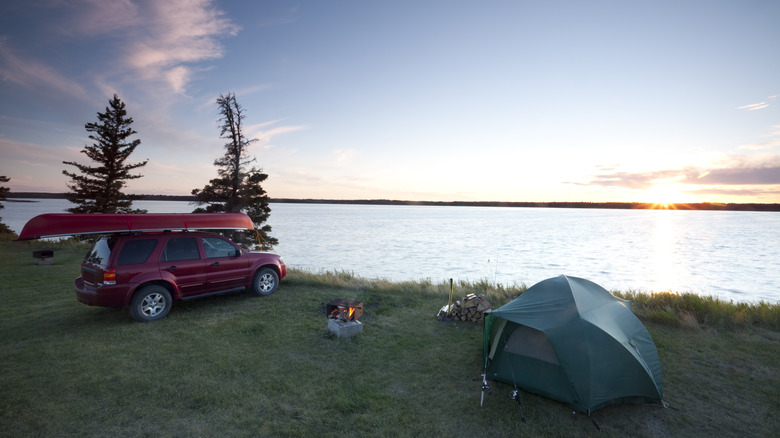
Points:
point(100, 251)
point(136, 251)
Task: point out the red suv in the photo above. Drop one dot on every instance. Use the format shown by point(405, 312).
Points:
point(148, 271)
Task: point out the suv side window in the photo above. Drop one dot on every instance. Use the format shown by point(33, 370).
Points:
point(100, 251)
point(136, 251)
point(216, 247)
point(179, 249)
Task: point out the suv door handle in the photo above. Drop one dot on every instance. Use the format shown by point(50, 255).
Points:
point(215, 264)
point(171, 268)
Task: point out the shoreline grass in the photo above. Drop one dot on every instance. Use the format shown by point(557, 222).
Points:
point(237, 365)
point(688, 309)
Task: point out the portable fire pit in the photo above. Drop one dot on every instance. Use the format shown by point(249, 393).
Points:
point(43, 257)
point(343, 317)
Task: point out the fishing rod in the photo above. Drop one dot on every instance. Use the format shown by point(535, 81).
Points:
point(515, 395)
point(484, 382)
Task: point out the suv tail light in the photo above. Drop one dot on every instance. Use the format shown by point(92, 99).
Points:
point(109, 276)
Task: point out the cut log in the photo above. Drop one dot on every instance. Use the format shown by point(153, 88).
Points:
point(470, 308)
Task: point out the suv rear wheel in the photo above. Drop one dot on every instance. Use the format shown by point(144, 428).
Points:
point(150, 303)
point(266, 282)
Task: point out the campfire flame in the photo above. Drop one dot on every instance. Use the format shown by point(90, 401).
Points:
point(342, 313)
point(344, 310)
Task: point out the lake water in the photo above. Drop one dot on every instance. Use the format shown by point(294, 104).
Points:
point(729, 255)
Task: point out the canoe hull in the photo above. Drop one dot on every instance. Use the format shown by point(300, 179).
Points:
point(74, 224)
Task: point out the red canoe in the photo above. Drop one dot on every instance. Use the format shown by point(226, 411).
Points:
point(72, 224)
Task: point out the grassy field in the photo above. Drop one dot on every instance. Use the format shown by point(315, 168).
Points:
point(237, 365)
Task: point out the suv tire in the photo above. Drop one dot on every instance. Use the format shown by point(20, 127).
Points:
point(266, 282)
point(150, 303)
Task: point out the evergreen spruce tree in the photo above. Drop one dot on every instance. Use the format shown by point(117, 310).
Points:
point(4, 230)
point(97, 188)
point(237, 188)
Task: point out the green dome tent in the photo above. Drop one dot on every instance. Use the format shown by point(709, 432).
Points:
point(569, 339)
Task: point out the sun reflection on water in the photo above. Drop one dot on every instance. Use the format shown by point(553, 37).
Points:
point(665, 267)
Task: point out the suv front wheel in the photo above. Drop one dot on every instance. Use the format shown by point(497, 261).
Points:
point(266, 282)
point(150, 303)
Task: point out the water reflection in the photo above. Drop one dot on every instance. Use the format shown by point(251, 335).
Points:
point(730, 255)
point(663, 258)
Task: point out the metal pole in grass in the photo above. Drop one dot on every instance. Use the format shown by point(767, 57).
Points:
point(447, 317)
point(449, 304)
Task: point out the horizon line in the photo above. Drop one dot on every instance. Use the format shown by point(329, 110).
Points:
point(747, 206)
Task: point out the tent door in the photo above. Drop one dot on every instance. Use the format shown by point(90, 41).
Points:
point(496, 337)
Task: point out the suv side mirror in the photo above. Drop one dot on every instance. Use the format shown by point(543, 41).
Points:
point(235, 253)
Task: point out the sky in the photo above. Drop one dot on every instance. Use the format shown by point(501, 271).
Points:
point(544, 101)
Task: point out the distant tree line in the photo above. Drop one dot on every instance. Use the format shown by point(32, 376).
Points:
point(599, 205)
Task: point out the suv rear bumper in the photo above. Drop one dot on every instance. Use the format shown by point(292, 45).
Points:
point(102, 296)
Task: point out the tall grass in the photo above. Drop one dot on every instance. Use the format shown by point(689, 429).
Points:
point(688, 309)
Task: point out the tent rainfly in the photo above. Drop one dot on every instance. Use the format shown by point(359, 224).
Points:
point(570, 340)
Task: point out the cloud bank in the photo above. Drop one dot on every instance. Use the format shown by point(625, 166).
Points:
point(740, 177)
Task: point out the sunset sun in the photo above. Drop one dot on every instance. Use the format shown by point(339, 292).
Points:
point(665, 196)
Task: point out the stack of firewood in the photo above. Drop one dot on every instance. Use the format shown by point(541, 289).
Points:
point(471, 308)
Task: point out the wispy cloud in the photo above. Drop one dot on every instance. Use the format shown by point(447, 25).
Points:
point(760, 105)
point(177, 34)
point(177, 77)
point(188, 171)
point(35, 155)
point(34, 75)
point(265, 132)
point(284, 16)
point(767, 173)
point(754, 106)
point(97, 17)
point(771, 143)
point(343, 156)
point(630, 180)
point(155, 41)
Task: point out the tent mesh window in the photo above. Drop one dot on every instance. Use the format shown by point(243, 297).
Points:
point(529, 342)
